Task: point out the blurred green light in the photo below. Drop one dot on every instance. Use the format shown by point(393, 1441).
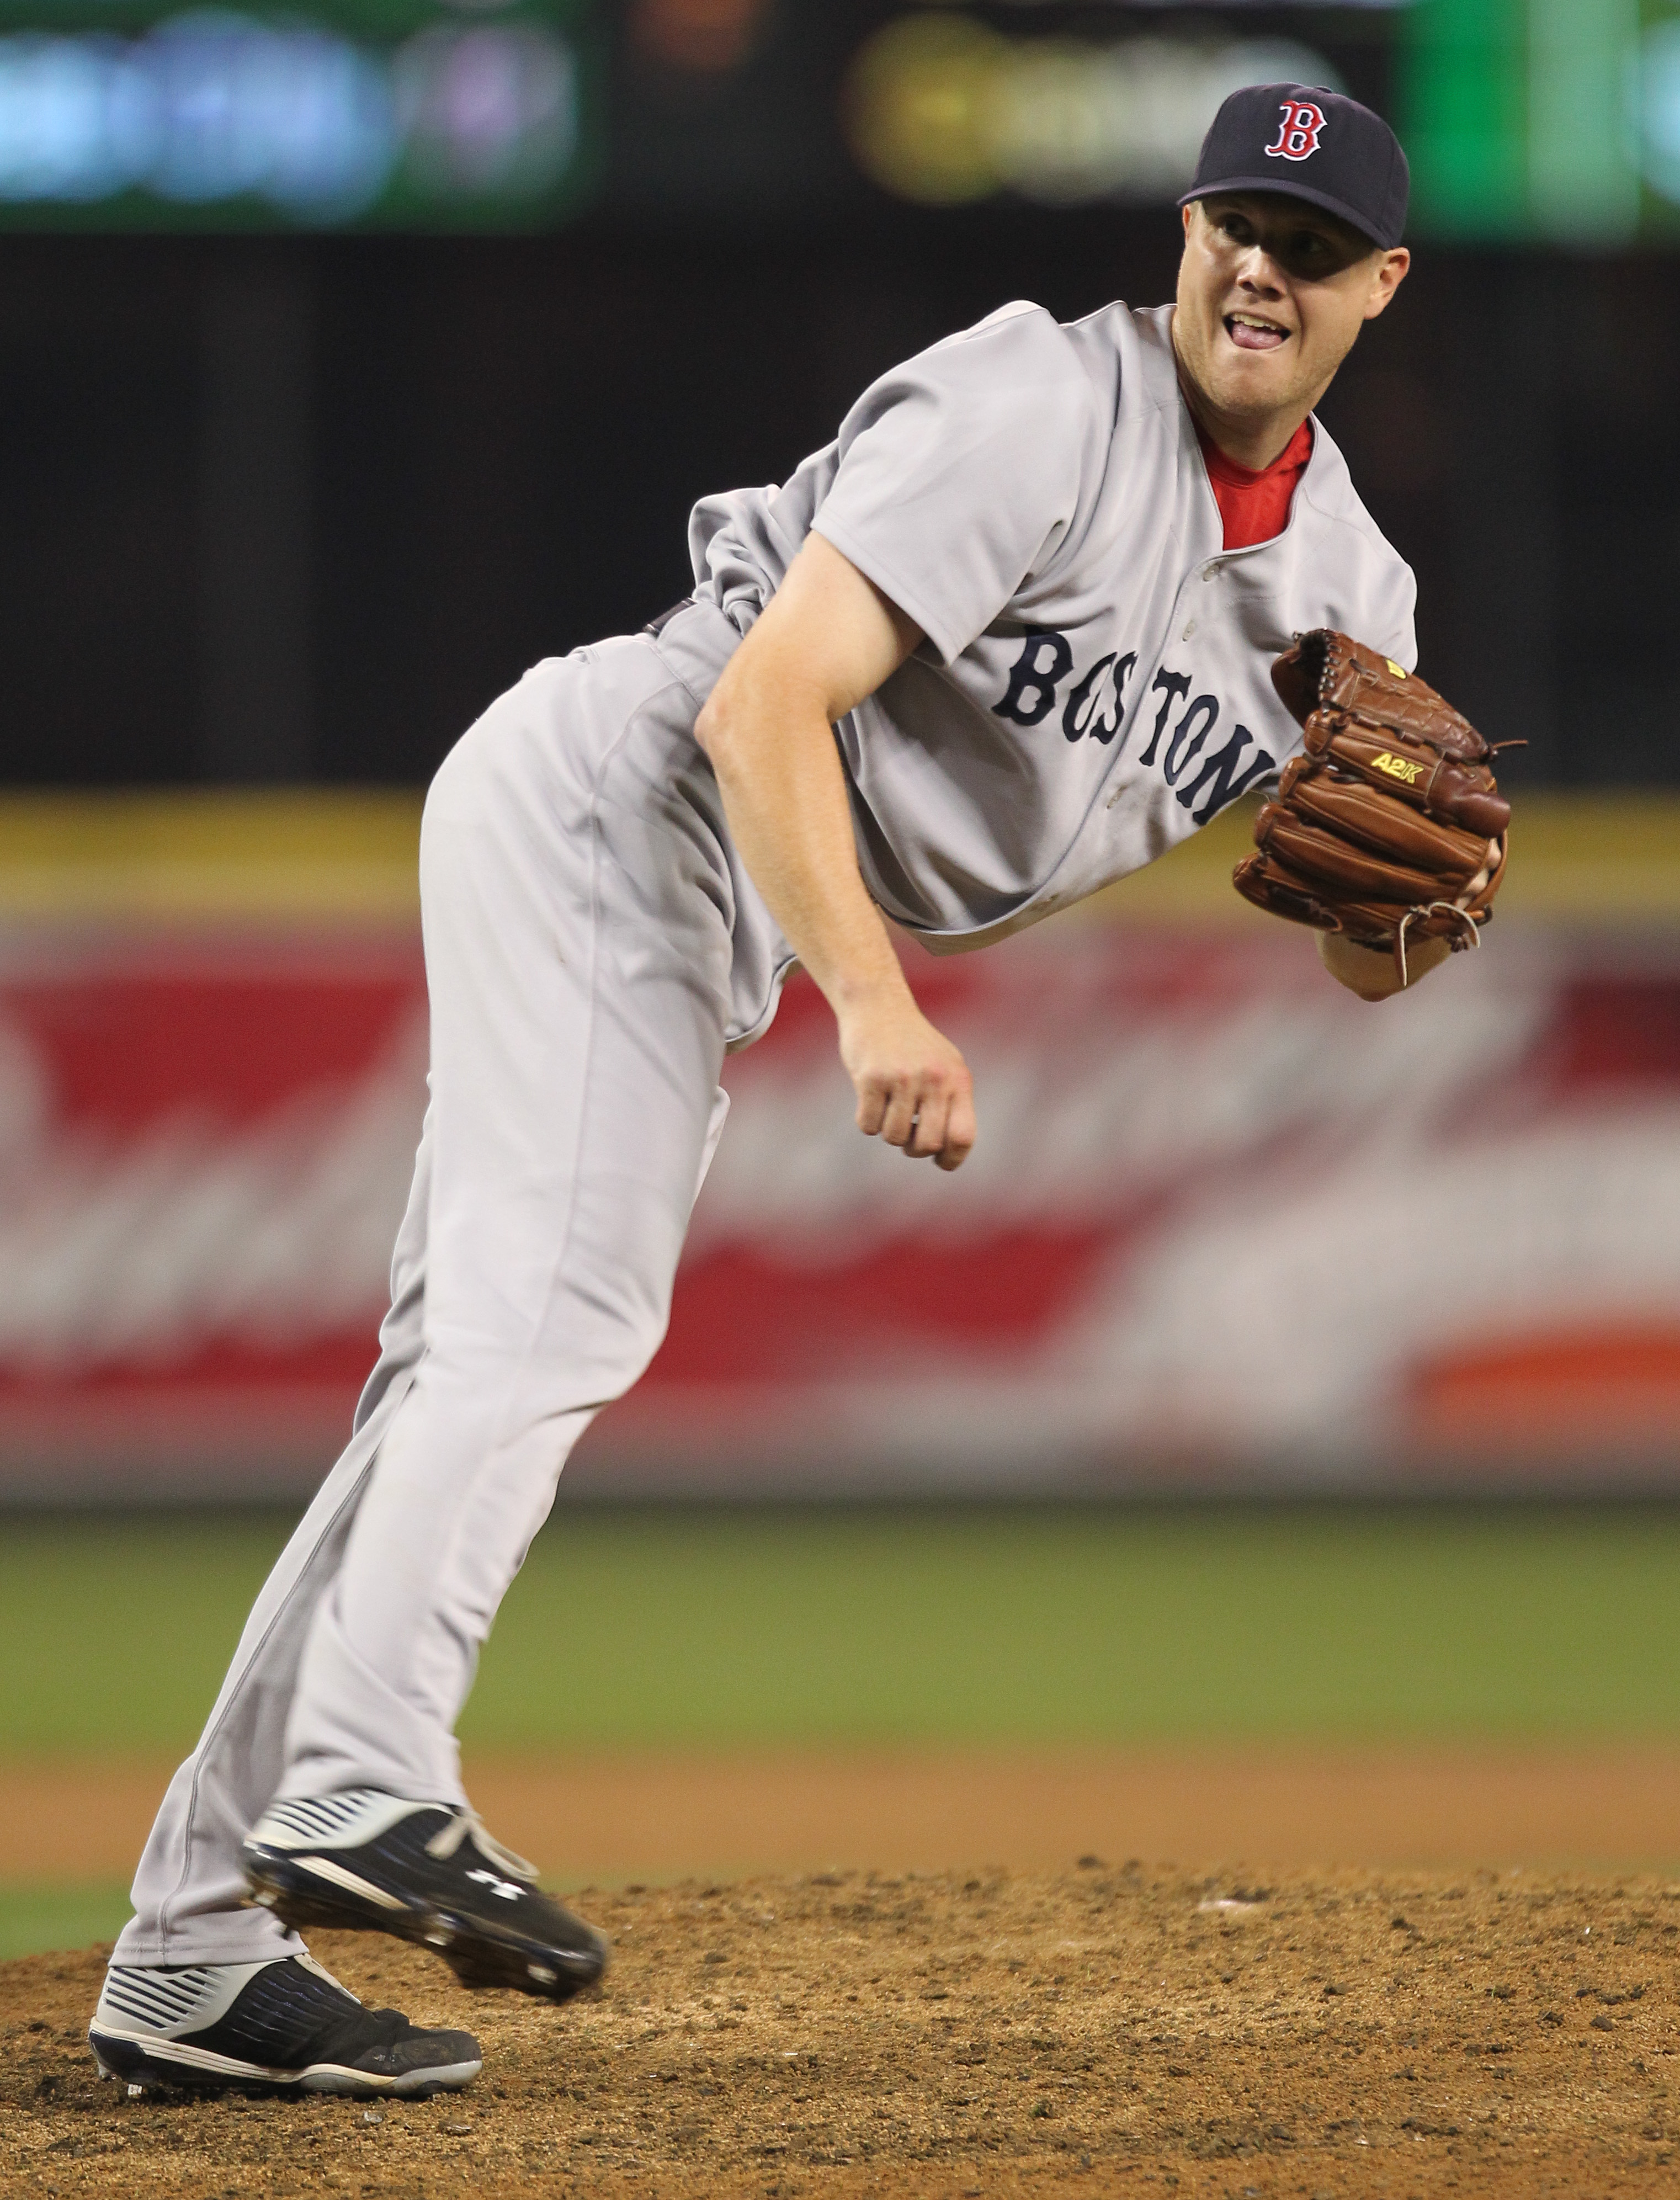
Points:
point(1463, 116)
point(1522, 118)
point(1584, 184)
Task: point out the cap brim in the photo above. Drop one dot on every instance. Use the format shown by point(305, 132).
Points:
point(1281, 187)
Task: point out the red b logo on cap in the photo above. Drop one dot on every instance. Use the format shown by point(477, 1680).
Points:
point(1299, 133)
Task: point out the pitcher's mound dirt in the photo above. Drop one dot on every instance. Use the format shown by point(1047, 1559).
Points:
point(1112, 2029)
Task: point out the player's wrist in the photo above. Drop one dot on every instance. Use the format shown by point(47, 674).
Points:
point(859, 992)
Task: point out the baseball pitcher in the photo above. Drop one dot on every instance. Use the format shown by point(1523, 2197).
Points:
point(1007, 638)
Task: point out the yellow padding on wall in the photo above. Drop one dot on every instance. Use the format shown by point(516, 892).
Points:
point(312, 854)
point(346, 856)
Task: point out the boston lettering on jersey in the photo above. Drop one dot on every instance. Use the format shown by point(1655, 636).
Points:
point(1094, 708)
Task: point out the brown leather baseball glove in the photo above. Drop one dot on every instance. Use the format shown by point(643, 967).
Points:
point(1390, 827)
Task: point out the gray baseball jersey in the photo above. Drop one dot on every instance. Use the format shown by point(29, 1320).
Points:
point(1095, 680)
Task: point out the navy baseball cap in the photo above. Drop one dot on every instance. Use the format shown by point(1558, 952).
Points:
point(1312, 144)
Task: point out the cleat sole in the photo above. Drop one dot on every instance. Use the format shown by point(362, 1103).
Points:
point(161, 2064)
point(479, 1955)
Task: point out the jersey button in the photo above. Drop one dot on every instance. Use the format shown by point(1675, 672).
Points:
point(1210, 572)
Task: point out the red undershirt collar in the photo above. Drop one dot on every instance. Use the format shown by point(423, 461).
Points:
point(1294, 456)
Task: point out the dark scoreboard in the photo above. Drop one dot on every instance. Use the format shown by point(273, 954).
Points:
point(1526, 119)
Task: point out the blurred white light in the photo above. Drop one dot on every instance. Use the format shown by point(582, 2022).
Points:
point(300, 116)
point(77, 118)
point(212, 106)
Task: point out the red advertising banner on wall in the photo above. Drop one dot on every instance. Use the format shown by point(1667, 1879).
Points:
point(1225, 1226)
point(204, 1148)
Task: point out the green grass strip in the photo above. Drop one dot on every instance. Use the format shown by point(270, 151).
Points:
point(980, 1625)
point(36, 1918)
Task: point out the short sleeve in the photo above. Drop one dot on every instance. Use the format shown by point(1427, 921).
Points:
point(1400, 635)
point(959, 472)
point(1359, 581)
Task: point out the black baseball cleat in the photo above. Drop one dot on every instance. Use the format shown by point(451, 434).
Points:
point(285, 2025)
point(367, 1862)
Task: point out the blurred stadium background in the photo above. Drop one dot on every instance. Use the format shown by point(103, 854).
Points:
point(353, 357)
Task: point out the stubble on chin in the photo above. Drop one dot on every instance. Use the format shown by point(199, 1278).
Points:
point(1249, 398)
point(1276, 382)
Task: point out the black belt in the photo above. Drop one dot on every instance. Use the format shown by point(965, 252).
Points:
point(658, 625)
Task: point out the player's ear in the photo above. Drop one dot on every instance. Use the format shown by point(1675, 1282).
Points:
point(1189, 214)
point(1389, 276)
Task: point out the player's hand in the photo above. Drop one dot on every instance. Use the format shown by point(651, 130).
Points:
point(913, 1087)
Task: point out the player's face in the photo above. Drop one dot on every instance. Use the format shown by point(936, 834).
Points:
point(1272, 293)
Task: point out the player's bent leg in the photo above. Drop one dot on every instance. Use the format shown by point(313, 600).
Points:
point(190, 1885)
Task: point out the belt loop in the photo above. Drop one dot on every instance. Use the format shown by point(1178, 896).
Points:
point(657, 626)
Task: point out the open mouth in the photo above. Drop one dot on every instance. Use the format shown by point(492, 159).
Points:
point(1251, 332)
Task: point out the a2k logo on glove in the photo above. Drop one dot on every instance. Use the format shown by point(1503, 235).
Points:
point(1095, 706)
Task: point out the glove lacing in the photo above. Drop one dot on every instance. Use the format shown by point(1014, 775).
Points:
point(1428, 908)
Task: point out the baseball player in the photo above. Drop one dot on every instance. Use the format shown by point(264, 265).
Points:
point(1006, 638)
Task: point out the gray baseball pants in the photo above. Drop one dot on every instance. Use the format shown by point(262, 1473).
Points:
point(593, 949)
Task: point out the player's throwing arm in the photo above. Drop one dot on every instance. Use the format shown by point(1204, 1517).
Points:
point(828, 638)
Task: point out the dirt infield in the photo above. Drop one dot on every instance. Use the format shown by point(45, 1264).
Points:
point(660, 1815)
point(1109, 2029)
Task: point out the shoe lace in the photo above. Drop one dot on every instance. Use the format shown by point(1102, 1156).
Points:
point(467, 1825)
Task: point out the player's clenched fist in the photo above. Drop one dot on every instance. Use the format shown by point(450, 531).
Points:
point(913, 1087)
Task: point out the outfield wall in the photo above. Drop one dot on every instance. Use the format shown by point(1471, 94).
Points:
point(1226, 1226)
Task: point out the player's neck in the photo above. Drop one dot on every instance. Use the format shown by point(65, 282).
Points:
point(1247, 439)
